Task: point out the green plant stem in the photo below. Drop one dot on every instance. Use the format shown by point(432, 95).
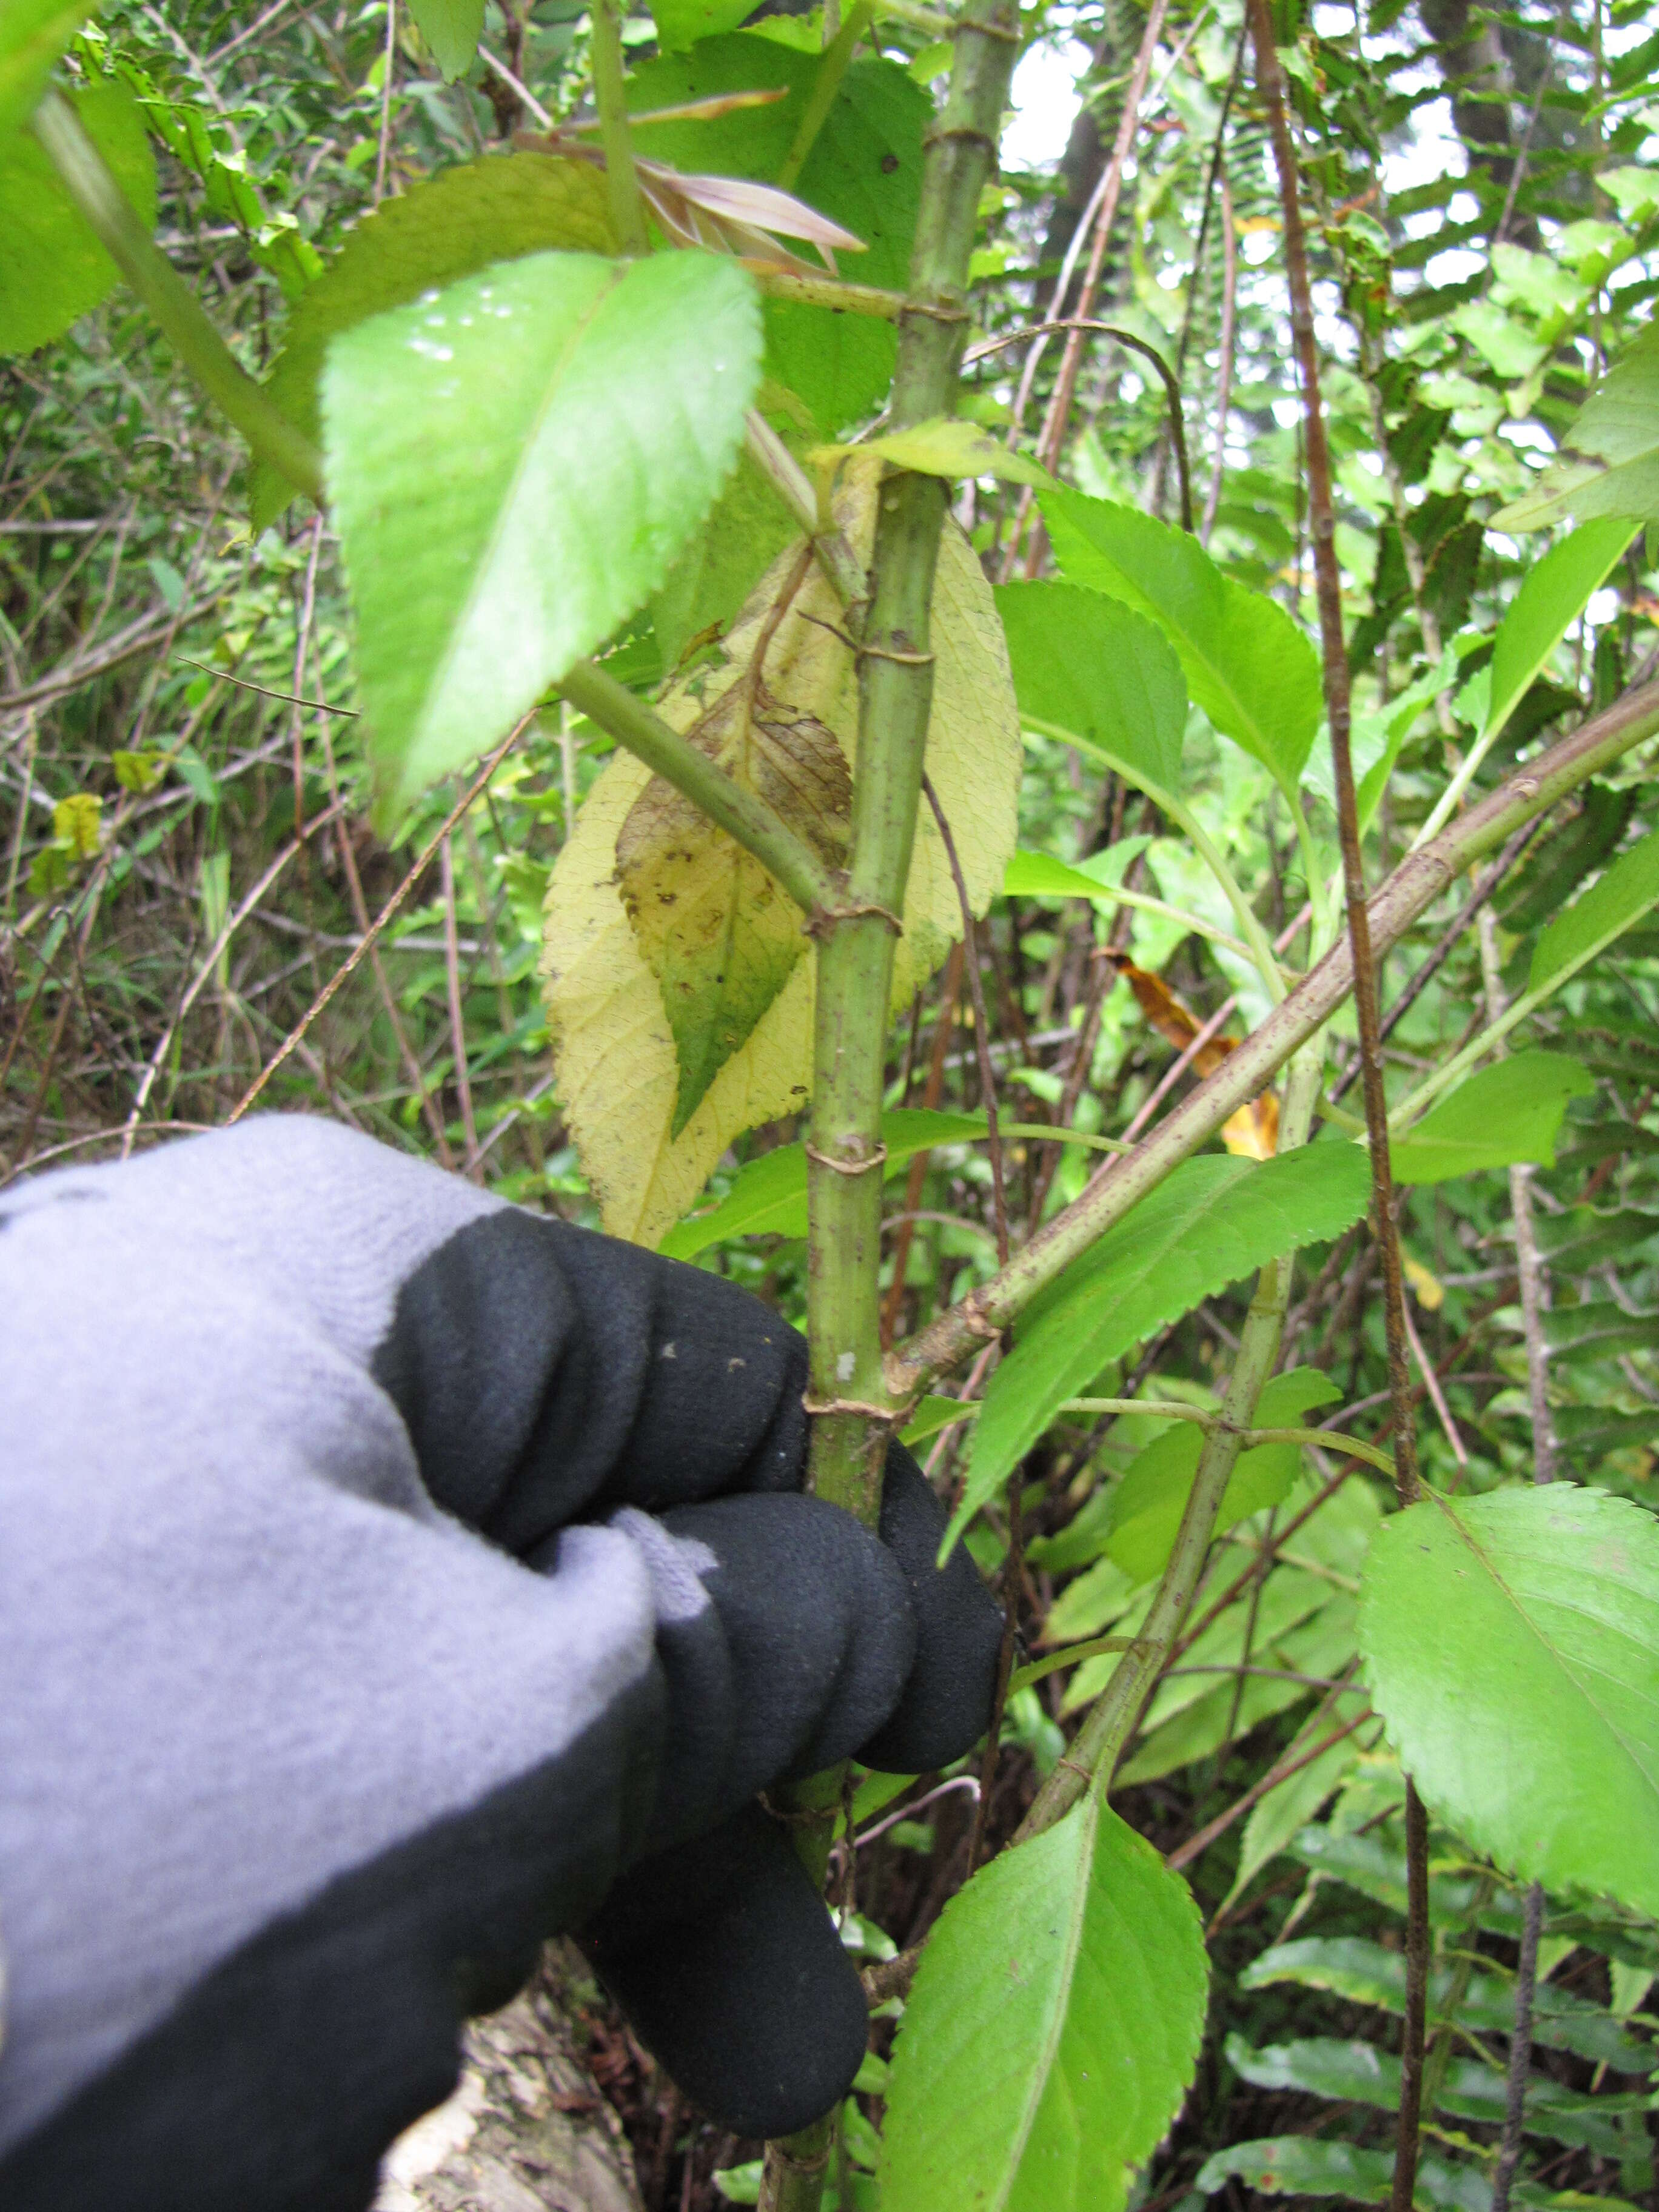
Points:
point(1112, 1718)
point(832, 68)
point(1176, 1409)
point(1420, 878)
point(88, 180)
point(622, 180)
point(847, 1393)
point(856, 956)
point(741, 813)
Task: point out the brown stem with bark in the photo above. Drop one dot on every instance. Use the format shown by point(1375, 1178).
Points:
point(1328, 586)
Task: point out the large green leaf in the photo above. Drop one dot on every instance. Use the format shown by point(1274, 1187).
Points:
point(1511, 1645)
point(1087, 668)
point(1607, 908)
point(52, 269)
point(1552, 595)
point(1146, 1507)
point(32, 33)
point(1213, 1220)
point(451, 28)
point(864, 171)
point(485, 212)
point(1608, 462)
point(1509, 1111)
point(512, 465)
point(1247, 663)
point(1052, 2030)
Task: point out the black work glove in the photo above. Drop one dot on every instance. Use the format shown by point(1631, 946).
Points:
point(390, 1578)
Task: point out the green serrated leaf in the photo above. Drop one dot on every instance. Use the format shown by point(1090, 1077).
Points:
point(511, 467)
point(52, 269)
point(1552, 595)
point(1511, 1645)
point(1505, 1112)
point(1608, 462)
point(1247, 663)
point(32, 33)
point(1087, 668)
point(1615, 900)
point(1212, 1221)
point(1052, 2032)
point(453, 226)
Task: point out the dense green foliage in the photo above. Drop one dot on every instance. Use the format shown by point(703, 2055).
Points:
point(284, 791)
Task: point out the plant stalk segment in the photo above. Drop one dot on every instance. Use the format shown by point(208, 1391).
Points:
point(88, 180)
point(621, 179)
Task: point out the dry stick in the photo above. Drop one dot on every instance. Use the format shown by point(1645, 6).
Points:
point(457, 1012)
point(1333, 653)
point(1432, 1384)
point(211, 960)
point(1224, 390)
point(944, 1023)
point(987, 1081)
point(388, 914)
point(1108, 193)
point(1421, 977)
point(1422, 877)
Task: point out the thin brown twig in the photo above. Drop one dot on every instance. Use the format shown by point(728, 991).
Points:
point(1224, 389)
point(1196, 1846)
point(988, 1082)
point(388, 913)
point(1334, 658)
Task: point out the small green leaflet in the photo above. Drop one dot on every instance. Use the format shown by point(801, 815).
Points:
point(948, 446)
point(1248, 666)
point(1552, 595)
point(1089, 670)
point(451, 28)
point(1608, 907)
point(52, 269)
point(512, 466)
point(1052, 2030)
point(1147, 1504)
point(451, 226)
point(1509, 1111)
point(1279, 1814)
point(1608, 462)
point(1211, 1222)
point(1039, 875)
point(1511, 1645)
point(1301, 2165)
point(32, 33)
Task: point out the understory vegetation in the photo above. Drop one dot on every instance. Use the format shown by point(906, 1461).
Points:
point(838, 718)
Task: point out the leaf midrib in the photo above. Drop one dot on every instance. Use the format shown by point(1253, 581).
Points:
point(1089, 1814)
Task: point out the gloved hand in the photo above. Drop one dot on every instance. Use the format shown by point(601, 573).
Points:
point(390, 1578)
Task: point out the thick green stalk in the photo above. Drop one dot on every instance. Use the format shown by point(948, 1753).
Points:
point(86, 177)
point(1111, 1721)
point(621, 179)
point(743, 814)
point(1421, 878)
point(856, 956)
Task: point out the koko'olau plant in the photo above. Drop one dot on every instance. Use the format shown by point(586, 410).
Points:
point(1157, 642)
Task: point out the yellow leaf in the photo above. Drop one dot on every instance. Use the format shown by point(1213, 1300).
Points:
point(1430, 1290)
point(74, 824)
point(1253, 1132)
point(617, 1070)
point(947, 446)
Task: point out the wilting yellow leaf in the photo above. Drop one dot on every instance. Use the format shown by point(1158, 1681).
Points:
point(619, 1075)
point(1253, 1131)
point(718, 932)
